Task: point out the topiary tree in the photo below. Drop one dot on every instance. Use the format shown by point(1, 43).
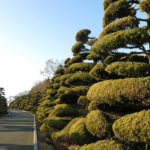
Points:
point(122, 29)
point(82, 38)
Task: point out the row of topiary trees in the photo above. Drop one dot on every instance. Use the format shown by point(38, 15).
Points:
point(104, 104)
point(3, 102)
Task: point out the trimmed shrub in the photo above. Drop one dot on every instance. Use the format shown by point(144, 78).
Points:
point(133, 127)
point(82, 35)
point(93, 105)
point(63, 78)
point(104, 145)
point(63, 135)
point(116, 10)
point(77, 47)
point(51, 92)
point(98, 124)
point(76, 67)
point(58, 123)
point(120, 24)
point(128, 69)
point(115, 57)
point(91, 42)
point(110, 42)
point(122, 93)
point(46, 129)
point(63, 110)
point(98, 71)
point(71, 95)
point(78, 133)
point(145, 6)
point(83, 101)
point(76, 59)
point(80, 78)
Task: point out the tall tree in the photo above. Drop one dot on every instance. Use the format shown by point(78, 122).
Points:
point(51, 66)
point(122, 28)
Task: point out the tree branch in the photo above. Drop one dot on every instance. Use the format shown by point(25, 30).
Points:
point(139, 19)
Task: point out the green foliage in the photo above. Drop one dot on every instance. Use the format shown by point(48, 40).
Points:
point(82, 35)
point(71, 95)
point(64, 77)
point(58, 122)
point(76, 67)
point(83, 101)
point(121, 93)
point(91, 42)
point(46, 129)
point(66, 60)
point(106, 3)
point(59, 70)
point(120, 24)
point(3, 105)
point(96, 57)
point(104, 145)
point(133, 127)
point(138, 58)
point(98, 124)
point(145, 6)
point(129, 69)
point(115, 57)
point(77, 47)
point(98, 71)
point(63, 135)
point(63, 110)
point(80, 78)
point(120, 39)
point(78, 133)
point(115, 10)
point(78, 58)
point(93, 105)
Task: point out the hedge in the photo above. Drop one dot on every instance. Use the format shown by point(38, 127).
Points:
point(98, 125)
point(117, 9)
point(78, 58)
point(120, 24)
point(128, 69)
point(80, 78)
point(115, 57)
point(104, 145)
point(78, 133)
point(76, 67)
point(63, 135)
point(120, 39)
point(63, 110)
point(71, 95)
point(77, 47)
point(122, 93)
point(133, 127)
point(98, 71)
point(82, 35)
point(83, 101)
point(145, 6)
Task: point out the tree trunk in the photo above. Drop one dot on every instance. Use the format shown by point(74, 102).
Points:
point(148, 56)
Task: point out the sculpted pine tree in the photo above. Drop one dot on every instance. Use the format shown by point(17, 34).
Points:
point(122, 28)
point(79, 50)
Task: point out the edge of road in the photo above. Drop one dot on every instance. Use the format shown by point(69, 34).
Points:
point(35, 132)
point(35, 135)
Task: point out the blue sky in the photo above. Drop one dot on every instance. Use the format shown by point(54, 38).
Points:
point(33, 31)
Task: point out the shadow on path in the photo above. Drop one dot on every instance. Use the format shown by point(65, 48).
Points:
point(15, 147)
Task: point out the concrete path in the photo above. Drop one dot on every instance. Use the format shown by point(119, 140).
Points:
point(16, 131)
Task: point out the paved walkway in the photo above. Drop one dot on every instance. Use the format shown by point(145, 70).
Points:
point(16, 131)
